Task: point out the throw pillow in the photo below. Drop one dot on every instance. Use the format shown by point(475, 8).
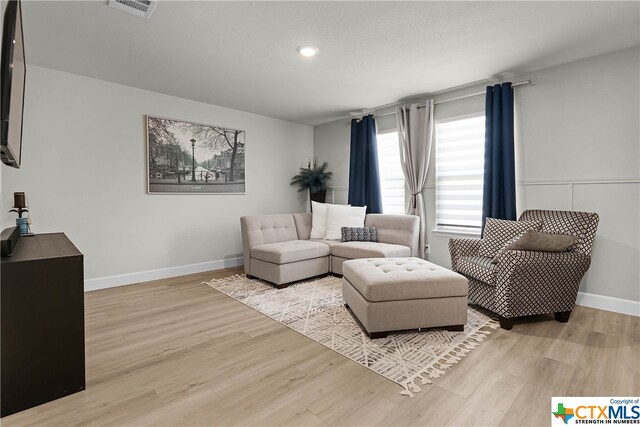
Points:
point(339, 216)
point(544, 242)
point(318, 220)
point(499, 232)
point(359, 234)
point(538, 241)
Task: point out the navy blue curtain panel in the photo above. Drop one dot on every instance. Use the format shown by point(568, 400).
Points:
point(364, 176)
point(499, 192)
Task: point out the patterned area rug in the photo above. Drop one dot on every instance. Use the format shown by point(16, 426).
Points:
point(316, 309)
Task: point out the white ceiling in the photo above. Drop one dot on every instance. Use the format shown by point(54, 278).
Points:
point(242, 55)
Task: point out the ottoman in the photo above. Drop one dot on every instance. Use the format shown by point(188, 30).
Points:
point(393, 294)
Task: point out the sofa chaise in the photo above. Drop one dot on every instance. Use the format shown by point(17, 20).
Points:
point(278, 249)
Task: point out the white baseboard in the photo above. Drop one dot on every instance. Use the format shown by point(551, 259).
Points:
point(606, 303)
point(162, 273)
point(585, 299)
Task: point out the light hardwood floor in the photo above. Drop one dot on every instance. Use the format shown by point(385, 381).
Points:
point(177, 352)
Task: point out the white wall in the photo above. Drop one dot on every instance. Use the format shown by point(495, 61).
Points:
point(84, 173)
point(583, 153)
point(578, 139)
point(331, 145)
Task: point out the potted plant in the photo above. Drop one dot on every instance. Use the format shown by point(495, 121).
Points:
point(315, 179)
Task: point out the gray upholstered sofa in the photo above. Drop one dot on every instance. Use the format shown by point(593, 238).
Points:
point(278, 248)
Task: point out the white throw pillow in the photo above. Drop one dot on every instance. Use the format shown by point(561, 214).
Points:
point(339, 216)
point(318, 220)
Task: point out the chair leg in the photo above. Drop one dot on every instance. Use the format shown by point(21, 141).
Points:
point(562, 316)
point(506, 323)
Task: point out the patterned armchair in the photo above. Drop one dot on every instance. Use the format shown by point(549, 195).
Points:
point(524, 283)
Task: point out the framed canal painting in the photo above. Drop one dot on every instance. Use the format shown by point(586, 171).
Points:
point(194, 158)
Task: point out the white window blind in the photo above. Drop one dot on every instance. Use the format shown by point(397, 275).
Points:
point(459, 172)
point(391, 177)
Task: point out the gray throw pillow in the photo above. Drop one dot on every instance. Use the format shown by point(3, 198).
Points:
point(538, 241)
point(499, 232)
point(359, 234)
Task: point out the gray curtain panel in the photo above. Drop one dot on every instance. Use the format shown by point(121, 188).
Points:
point(415, 131)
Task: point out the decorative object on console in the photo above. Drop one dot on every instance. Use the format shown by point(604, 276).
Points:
point(23, 226)
point(359, 234)
point(524, 283)
point(20, 206)
point(315, 179)
point(187, 158)
point(316, 310)
point(19, 200)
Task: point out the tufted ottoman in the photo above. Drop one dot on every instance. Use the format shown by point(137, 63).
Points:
point(393, 294)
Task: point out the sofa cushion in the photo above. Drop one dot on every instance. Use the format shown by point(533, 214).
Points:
point(330, 243)
point(499, 232)
point(353, 250)
point(402, 279)
point(339, 216)
point(289, 251)
point(478, 267)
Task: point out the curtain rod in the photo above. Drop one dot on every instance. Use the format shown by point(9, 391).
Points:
point(469, 95)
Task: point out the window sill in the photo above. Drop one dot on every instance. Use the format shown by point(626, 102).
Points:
point(457, 232)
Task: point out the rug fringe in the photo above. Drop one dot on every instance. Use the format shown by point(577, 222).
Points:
point(440, 367)
point(235, 276)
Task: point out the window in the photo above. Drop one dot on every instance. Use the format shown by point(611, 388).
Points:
point(459, 173)
point(391, 177)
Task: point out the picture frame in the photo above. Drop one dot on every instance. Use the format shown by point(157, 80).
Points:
point(193, 158)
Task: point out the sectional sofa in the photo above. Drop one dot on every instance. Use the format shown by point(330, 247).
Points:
point(278, 248)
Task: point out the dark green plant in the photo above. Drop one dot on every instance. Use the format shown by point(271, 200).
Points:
point(314, 177)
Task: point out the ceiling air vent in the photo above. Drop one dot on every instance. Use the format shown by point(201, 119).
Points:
point(139, 8)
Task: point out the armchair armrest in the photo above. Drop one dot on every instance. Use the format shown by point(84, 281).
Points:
point(462, 247)
point(530, 282)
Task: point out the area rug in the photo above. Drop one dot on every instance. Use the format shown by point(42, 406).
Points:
point(316, 309)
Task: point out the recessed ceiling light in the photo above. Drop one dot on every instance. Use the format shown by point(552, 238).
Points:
point(307, 50)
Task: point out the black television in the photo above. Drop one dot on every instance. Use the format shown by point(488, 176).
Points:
point(12, 79)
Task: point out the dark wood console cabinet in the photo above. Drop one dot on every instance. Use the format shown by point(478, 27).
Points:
point(42, 322)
